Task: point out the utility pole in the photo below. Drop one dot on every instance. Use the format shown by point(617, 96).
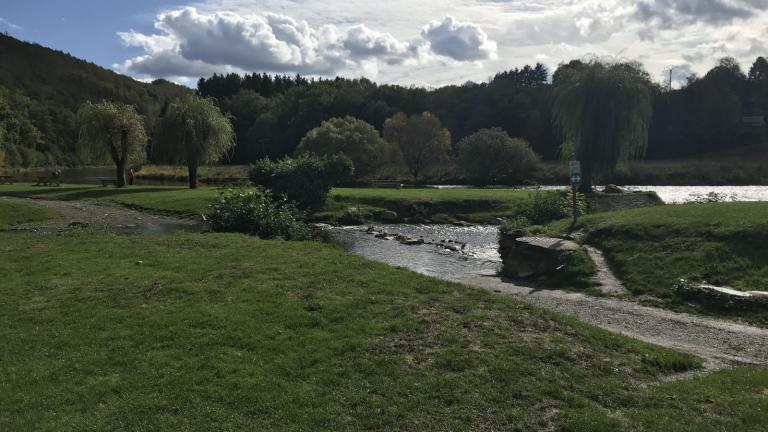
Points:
point(670, 78)
point(575, 168)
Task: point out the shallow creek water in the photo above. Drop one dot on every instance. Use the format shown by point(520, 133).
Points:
point(479, 255)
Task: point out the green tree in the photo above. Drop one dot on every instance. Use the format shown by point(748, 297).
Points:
point(356, 139)
point(759, 70)
point(490, 156)
point(193, 131)
point(111, 130)
point(421, 139)
point(604, 110)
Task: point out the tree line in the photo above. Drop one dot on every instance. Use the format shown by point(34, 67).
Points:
point(271, 114)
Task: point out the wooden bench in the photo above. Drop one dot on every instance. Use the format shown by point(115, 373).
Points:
point(48, 181)
point(7, 179)
point(108, 181)
point(387, 184)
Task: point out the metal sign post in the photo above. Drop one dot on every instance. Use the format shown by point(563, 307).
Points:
point(575, 168)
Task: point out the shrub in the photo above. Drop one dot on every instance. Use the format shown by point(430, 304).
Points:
point(305, 180)
point(550, 206)
point(354, 138)
point(517, 227)
point(253, 211)
point(490, 156)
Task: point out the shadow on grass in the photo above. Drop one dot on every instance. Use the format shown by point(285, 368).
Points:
point(79, 193)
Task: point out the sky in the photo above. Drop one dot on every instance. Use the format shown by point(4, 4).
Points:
point(409, 42)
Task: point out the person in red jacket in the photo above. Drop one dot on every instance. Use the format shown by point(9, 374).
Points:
point(131, 176)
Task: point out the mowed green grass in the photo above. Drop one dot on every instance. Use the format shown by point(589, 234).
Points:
point(650, 249)
point(473, 205)
point(179, 201)
point(228, 332)
point(18, 213)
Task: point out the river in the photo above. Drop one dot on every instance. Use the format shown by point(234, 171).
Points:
point(479, 255)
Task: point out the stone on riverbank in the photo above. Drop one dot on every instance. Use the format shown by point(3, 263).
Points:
point(613, 189)
point(389, 216)
point(524, 257)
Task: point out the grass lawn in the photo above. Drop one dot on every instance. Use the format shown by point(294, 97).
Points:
point(178, 201)
point(228, 332)
point(17, 213)
point(472, 205)
point(650, 249)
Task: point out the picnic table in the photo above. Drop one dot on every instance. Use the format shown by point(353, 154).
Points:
point(6, 179)
point(108, 181)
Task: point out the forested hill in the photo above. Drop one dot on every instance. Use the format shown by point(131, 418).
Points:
point(41, 90)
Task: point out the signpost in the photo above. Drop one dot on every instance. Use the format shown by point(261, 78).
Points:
point(575, 168)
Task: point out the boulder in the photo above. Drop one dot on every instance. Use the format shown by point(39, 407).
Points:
point(462, 224)
point(532, 256)
point(389, 216)
point(613, 189)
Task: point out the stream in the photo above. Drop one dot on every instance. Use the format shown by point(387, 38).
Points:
point(478, 257)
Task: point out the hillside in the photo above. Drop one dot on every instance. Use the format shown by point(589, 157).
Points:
point(44, 88)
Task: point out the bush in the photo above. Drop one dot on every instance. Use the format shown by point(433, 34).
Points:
point(253, 211)
point(305, 180)
point(550, 206)
point(490, 156)
point(351, 137)
point(517, 227)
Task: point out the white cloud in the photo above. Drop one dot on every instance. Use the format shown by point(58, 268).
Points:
point(459, 41)
point(5, 23)
point(390, 43)
point(190, 43)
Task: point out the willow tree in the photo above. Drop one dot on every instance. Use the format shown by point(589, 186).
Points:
point(421, 139)
point(110, 130)
point(604, 110)
point(193, 132)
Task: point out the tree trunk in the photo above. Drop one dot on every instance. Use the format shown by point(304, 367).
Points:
point(120, 164)
point(192, 175)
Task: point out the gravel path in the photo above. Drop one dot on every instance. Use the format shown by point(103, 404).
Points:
point(604, 278)
point(717, 341)
point(103, 217)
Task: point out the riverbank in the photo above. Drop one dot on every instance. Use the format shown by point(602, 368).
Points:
point(224, 331)
point(724, 244)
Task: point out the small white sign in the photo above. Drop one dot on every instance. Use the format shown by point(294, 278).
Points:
point(575, 168)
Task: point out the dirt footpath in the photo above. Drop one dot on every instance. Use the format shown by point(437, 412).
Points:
point(103, 217)
point(717, 341)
